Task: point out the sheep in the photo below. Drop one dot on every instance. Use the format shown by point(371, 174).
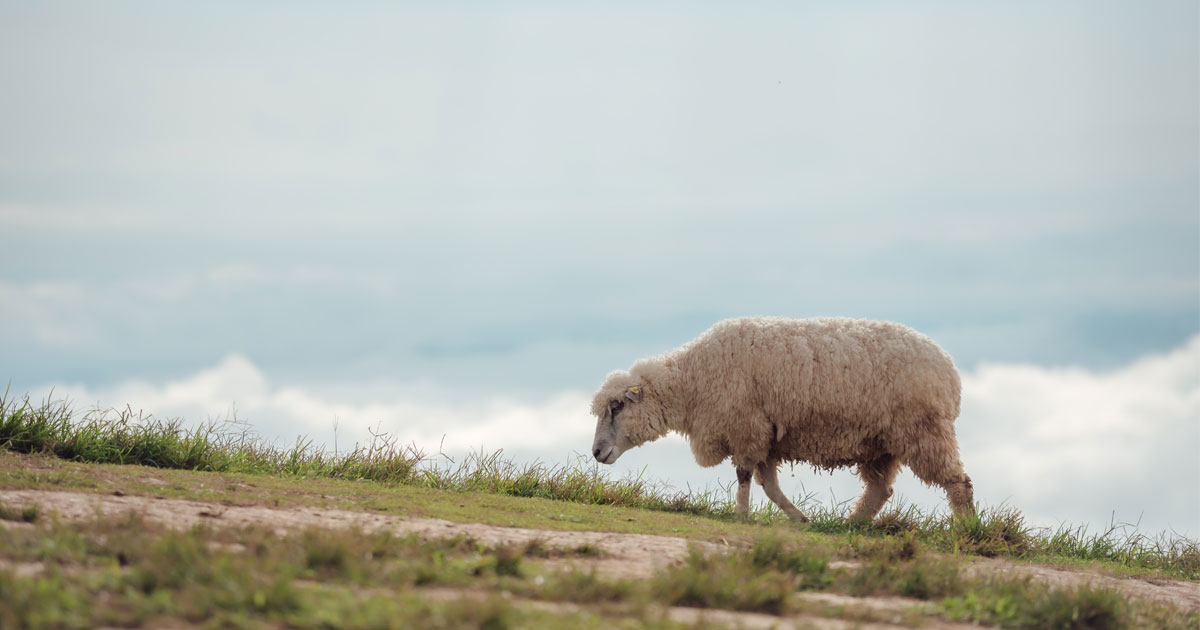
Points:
point(832, 392)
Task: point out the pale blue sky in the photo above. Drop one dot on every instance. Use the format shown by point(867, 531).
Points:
point(514, 199)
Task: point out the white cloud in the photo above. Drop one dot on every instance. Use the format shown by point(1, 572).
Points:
point(1064, 445)
point(1123, 444)
point(427, 417)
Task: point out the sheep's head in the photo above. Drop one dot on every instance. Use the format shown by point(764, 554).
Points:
point(626, 416)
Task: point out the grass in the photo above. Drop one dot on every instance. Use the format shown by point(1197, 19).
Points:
point(132, 573)
point(128, 573)
point(1002, 532)
point(726, 582)
point(1017, 603)
point(123, 437)
point(767, 577)
point(24, 514)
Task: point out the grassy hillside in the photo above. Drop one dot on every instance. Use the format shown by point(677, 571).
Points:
point(61, 573)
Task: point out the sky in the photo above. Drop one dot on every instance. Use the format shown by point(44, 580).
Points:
point(449, 223)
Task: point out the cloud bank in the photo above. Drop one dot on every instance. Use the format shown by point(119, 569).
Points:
point(1123, 444)
point(1064, 445)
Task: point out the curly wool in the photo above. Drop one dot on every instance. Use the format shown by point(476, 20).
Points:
point(832, 392)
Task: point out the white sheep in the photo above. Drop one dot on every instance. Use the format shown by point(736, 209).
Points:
point(830, 392)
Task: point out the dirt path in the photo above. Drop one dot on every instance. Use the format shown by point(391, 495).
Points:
point(624, 555)
point(1185, 595)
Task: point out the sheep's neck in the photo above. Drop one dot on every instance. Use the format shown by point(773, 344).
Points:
point(676, 415)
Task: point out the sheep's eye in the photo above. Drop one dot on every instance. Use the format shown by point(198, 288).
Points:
point(614, 407)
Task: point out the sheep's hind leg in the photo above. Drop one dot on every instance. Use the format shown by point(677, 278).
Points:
point(937, 464)
point(961, 494)
point(768, 476)
point(742, 508)
point(878, 475)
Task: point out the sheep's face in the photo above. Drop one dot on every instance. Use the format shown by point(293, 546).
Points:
point(624, 410)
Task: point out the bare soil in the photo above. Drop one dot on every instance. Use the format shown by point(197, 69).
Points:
point(1181, 594)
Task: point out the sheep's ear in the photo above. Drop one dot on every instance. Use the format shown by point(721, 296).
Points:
point(634, 393)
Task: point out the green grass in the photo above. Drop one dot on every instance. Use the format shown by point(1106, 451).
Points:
point(131, 573)
point(1017, 603)
point(25, 514)
point(767, 577)
point(726, 582)
point(1002, 532)
point(122, 437)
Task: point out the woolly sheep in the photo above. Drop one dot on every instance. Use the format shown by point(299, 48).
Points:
point(828, 391)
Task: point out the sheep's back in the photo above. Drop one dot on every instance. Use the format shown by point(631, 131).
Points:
point(826, 380)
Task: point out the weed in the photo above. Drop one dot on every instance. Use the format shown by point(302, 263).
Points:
point(24, 514)
point(728, 582)
point(41, 602)
point(889, 549)
point(1124, 545)
point(325, 555)
point(989, 533)
point(809, 565)
point(1020, 603)
point(588, 550)
point(1002, 531)
point(537, 548)
point(504, 560)
point(584, 587)
point(900, 519)
point(927, 578)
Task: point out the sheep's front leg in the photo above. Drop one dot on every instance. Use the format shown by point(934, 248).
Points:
point(878, 475)
point(768, 476)
point(744, 474)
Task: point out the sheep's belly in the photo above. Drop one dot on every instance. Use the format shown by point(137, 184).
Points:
point(828, 451)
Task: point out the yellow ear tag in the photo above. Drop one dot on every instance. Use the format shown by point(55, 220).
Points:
point(635, 389)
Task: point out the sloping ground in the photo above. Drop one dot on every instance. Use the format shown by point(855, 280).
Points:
point(623, 555)
point(759, 621)
point(1185, 595)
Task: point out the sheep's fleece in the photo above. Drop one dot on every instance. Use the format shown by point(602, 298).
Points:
point(831, 392)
